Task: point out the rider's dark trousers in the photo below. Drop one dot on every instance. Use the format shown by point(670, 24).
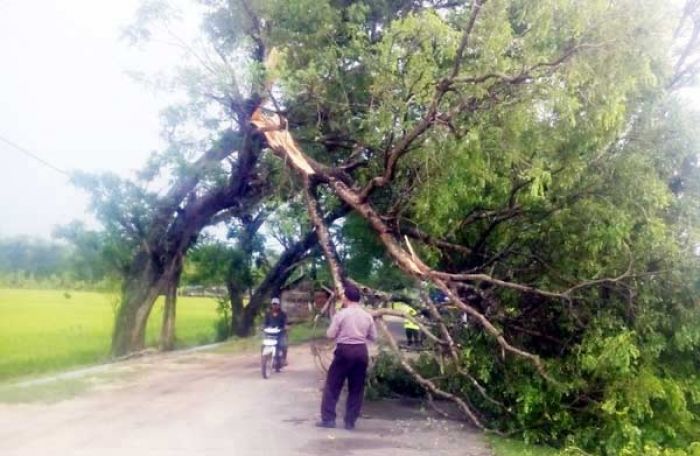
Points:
point(350, 361)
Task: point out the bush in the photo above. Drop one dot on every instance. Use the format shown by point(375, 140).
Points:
point(388, 379)
point(621, 391)
point(222, 326)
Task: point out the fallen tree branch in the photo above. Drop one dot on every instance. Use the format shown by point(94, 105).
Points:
point(425, 383)
point(283, 143)
point(436, 409)
point(397, 313)
point(452, 346)
point(324, 236)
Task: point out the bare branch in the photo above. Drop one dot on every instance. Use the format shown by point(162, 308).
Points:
point(684, 72)
point(416, 233)
point(476, 9)
point(324, 236)
point(404, 315)
point(452, 347)
point(430, 117)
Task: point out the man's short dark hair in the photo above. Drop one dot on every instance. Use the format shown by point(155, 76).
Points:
point(351, 292)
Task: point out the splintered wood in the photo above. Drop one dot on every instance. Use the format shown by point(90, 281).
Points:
point(279, 139)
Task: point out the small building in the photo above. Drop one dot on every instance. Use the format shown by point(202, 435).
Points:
point(301, 300)
point(200, 290)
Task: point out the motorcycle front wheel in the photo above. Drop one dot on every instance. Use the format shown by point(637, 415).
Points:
point(266, 364)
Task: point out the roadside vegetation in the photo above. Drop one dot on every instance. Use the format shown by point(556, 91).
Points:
point(511, 447)
point(51, 330)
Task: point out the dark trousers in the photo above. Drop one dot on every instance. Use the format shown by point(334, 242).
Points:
point(412, 336)
point(349, 361)
point(282, 344)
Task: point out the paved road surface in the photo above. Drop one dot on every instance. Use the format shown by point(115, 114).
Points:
point(214, 404)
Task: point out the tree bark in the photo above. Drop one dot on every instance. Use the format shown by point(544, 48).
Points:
point(141, 288)
point(238, 325)
point(324, 237)
point(167, 333)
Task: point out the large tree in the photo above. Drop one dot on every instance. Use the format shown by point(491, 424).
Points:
point(515, 154)
point(503, 138)
point(161, 228)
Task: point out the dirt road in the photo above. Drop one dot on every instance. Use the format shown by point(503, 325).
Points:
point(203, 404)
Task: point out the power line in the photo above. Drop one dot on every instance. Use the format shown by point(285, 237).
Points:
point(33, 155)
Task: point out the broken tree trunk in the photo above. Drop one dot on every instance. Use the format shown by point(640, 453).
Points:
point(324, 236)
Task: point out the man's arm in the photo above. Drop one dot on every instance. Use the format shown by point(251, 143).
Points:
point(372, 332)
point(334, 328)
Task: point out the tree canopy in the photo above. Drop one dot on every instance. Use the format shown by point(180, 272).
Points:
point(531, 159)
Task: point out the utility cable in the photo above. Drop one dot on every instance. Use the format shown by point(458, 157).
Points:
point(31, 154)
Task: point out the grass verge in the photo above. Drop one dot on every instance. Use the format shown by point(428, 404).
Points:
point(45, 331)
point(511, 447)
point(59, 389)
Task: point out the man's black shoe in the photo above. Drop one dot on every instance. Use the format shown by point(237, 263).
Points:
point(349, 426)
point(325, 424)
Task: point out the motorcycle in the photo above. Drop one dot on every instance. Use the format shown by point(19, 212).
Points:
point(271, 356)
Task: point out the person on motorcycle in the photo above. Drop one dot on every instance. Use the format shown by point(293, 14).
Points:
point(277, 318)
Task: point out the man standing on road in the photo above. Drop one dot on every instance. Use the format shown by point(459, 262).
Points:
point(351, 328)
point(412, 330)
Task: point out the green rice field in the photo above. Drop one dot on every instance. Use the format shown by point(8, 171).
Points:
point(50, 330)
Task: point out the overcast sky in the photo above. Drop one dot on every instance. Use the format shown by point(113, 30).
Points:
point(65, 95)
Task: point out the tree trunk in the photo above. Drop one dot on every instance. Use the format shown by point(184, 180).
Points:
point(167, 333)
point(244, 324)
point(178, 219)
point(235, 295)
point(149, 275)
point(142, 286)
point(278, 275)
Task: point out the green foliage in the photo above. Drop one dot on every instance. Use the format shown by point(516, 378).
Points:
point(95, 255)
point(511, 447)
point(215, 263)
point(388, 379)
point(578, 172)
point(365, 258)
point(557, 161)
